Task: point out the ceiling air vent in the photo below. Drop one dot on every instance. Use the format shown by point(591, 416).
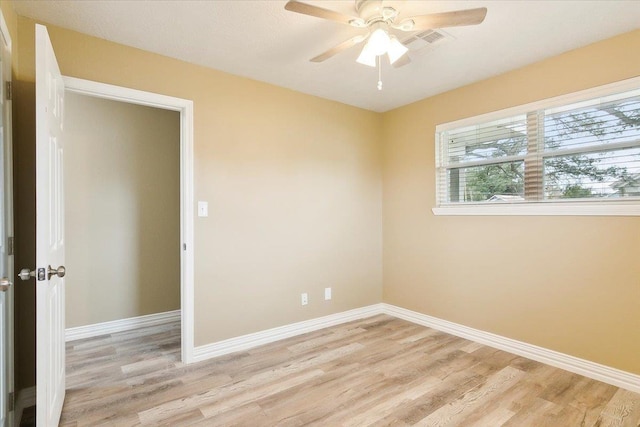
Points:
point(426, 40)
point(430, 36)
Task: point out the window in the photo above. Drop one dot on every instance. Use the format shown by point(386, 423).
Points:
point(572, 150)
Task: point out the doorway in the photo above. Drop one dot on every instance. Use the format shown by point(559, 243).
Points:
point(47, 161)
point(122, 215)
point(184, 108)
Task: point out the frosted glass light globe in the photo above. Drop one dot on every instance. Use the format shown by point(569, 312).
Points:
point(379, 42)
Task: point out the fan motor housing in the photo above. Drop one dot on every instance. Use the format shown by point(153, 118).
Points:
point(368, 9)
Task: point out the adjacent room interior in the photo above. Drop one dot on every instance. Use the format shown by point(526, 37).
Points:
point(430, 308)
point(122, 210)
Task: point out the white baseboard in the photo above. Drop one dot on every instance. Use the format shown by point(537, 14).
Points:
point(245, 342)
point(573, 364)
point(121, 325)
point(26, 398)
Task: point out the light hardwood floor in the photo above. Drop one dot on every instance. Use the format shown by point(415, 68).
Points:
point(378, 371)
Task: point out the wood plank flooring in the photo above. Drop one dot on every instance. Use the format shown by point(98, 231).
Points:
point(379, 371)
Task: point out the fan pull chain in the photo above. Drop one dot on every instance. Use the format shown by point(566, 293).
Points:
point(379, 72)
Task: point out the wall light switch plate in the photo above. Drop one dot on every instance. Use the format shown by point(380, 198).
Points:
point(327, 293)
point(203, 209)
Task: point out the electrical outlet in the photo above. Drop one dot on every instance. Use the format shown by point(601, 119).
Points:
point(327, 294)
point(304, 298)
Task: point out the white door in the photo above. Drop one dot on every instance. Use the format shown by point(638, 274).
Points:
point(6, 231)
point(50, 350)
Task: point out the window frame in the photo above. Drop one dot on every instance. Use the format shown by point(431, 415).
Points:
point(581, 207)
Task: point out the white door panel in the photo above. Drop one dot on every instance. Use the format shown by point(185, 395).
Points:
point(50, 349)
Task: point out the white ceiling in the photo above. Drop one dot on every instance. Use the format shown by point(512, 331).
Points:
point(262, 41)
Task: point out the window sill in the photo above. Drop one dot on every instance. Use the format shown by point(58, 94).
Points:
point(543, 209)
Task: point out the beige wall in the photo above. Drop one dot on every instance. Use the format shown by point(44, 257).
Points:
point(571, 284)
point(293, 184)
point(122, 210)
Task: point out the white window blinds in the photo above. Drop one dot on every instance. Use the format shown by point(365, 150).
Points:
point(587, 150)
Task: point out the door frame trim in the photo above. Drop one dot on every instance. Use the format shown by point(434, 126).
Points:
point(185, 107)
point(9, 213)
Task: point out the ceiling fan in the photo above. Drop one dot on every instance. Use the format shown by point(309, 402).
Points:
point(380, 20)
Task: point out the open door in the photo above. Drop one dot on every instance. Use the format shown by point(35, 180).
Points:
point(50, 345)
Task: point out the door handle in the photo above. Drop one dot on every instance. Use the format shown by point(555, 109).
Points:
point(26, 274)
point(60, 271)
point(5, 284)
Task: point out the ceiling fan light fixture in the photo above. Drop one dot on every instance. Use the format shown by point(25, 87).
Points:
point(396, 49)
point(367, 56)
point(379, 41)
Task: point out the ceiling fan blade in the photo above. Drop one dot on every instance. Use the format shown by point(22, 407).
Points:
point(404, 60)
point(318, 12)
point(339, 48)
point(447, 19)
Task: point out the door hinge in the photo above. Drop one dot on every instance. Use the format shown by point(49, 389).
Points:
point(8, 90)
point(11, 401)
point(10, 243)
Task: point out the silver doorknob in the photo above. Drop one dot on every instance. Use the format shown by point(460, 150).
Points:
point(26, 274)
point(5, 284)
point(60, 271)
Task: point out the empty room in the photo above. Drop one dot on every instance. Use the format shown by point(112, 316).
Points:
point(375, 213)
